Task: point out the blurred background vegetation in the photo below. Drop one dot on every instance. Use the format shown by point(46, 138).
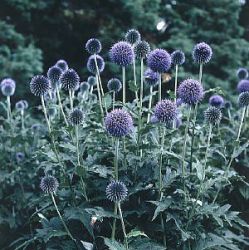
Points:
point(35, 34)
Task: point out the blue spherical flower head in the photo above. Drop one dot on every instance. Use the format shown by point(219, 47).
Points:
point(114, 85)
point(242, 73)
point(154, 119)
point(178, 57)
point(53, 75)
point(228, 105)
point(8, 87)
point(93, 46)
point(20, 157)
point(141, 49)
point(84, 87)
point(243, 86)
point(244, 99)
point(151, 77)
point(91, 80)
point(202, 53)
point(118, 123)
point(213, 115)
point(26, 104)
point(216, 101)
point(49, 184)
point(20, 106)
point(179, 102)
point(132, 36)
point(190, 91)
point(91, 66)
point(76, 117)
point(122, 54)
point(166, 111)
point(116, 191)
point(159, 60)
point(69, 79)
point(62, 64)
point(39, 85)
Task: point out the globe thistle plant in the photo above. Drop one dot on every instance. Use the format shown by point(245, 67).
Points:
point(116, 191)
point(151, 78)
point(49, 184)
point(177, 57)
point(166, 111)
point(242, 73)
point(243, 99)
point(91, 65)
point(93, 46)
point(84, 87)
point(53, 75)
point(39, 85)
point(243, 86)
point(141, 49)
point(62, 64)
point(20, 106)
point(132, 36)
point(76, 117)
point(114, 85)
point(91, 80)
point(213, 115)
point(190, 91)
point(8, 87)
point(216, 101)
point(202, 53)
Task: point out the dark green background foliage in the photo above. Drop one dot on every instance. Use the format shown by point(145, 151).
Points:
point(36, 33)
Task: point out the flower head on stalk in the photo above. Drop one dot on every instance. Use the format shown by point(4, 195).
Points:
point(216, 101)
point(114, 85)
point(243, 86)
point(159, 60)
point(93, 46)
point(244, 99)
point(76, 117)
point(178, 57)
point(49, 184)
point(69, 79)
point(142, 49)
point(118, 123)
point(213, 115)
point(165, 111)
point(91, 80)
point(62, 64)
point(202, 53)
point(84, 87)
point(53, 75)
point(242, 73)
point(8, 87)
point(132, 36)
point(39, 85)
point(91, 66)
point(151, 78)
point(116, 191)
point(122, 54)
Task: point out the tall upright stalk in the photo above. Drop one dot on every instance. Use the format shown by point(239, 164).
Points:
point(176, 76)
point(124, 85)
point(71, 98)
point(98, 75)
point(141, 85)
point(9, 115)
point(45, 114)
point(160, 88)
point(150, 104)
point(135, 80)
point(60, 105)
point(99, 96)
point(113, 99)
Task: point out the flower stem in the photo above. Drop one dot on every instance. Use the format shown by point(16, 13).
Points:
point(123, 225)
point(71, 99)
point(113, 99)
point(176, 76)
point(135, 80)
point(60, 104)
point(160, 88)
point(9, 115)
point(99, 95)
point(22, 120)
point(77, 144)
point(45, 114)
point(124, 85)
point(98, 75)
point(150, 103)
point(200, 73)
point(141, 86)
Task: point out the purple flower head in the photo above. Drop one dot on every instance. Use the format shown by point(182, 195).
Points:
point(141, 49)
point(190, 91)
point(116, 191)
point(151, 77)
point(132, 36)
point(122, 54)
point(93, 46)
point(53, 75)
point(69, 79)
point(49, 184)
point(20, 105)
point(165, 111)
point(159, 60)
point(39, 85)
point(76, 117)
point(91, 66)
point(179, 102)
point(213, 115)
point(62, 64)
point(202, 53)
point(178, 57)
point(178, 122)
point(216, 101)
point(228, 105)
point(243, 86)
point(244, 99)
point(118, 123)
point(8, 87)
point(154, 119)
point(84, 86)
point(91, 80)
point(242, 73)
point(114, 84)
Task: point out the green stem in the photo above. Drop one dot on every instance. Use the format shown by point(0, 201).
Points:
point(135, 80)
point(113, 100)
point(22, 120)
point(60, 104)
point(200, 73)
point(176, 76)
point(99, 95)
point(241, 123)
point(150, 104)
point(9, 109)
point(98, 75)
point(124, 85)
point(160, 88)
point(77, 144)
point(123, 226)
point(45, 114)
point(141, 86)
point(71, 99)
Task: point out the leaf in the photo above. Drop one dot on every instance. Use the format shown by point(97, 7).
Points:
point(145, 244)
point(107, 100)
point(244, 190)
point(161, 206)
point(87, 245)
point(136, 233)
point(113, 245)
point(99, 212)
point(240, 150)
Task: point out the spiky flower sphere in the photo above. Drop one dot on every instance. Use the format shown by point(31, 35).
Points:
point(118, 123)
point(53, 75)
point(84, 86)
point(202, 53)
point(39, 85)
point(179, 102)
point(190, 91)
point(213, 115)
point(132, 36)
point(153, 119)
point(116, 191)
point(165, 111)
point(49, 184)
point(159, 60)
point(122, 54)
point(141, 49)
point(93, 46)
point(76, 117)
point(52, 111)
point(8, 87)
point(69, 79)
point(20, 106)
point(114, 84)
point(244, 99)
point(243, 86)
point(62, 64)
point(242, 73)
point(227, 105)
point(216, 101)
point(151, 77)
point(91, 80)
point(91, 66)
point(178, 57)
point(20, 157)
